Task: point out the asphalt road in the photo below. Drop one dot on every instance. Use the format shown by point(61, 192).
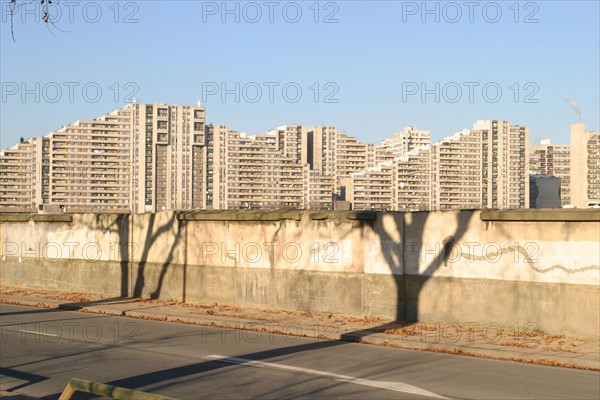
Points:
point(41, 349)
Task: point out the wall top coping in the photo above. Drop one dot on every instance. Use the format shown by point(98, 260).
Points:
point(236, 215)
point(294, 215)
point(36, 218)
point(541, 215)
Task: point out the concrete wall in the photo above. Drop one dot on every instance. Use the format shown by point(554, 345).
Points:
point(505, 267)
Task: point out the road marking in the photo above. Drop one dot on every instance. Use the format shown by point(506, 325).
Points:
point(394, 386)
point(38, 333)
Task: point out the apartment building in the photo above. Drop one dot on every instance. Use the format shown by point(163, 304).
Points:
point(23, 176)
point(504, 158)
point(585, 167)
point(370, 189)
point(168, 163)
point(155, 157)
point(405, 141)
point(551, 159)
point(139, 158)
point(484, 167)
point(351, 156)
point(319, 191)
point(336, 155)
point(413, 180)
point(457, 165)
point(90, 164)
point(257, 172)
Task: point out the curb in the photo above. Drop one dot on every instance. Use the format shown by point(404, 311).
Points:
point(364, 337)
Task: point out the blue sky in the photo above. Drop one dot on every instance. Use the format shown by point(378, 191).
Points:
point(369, 63)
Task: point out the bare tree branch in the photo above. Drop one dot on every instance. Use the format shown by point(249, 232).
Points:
point(46, 16)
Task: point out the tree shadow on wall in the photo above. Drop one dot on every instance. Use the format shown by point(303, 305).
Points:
point(413, 260)
point(402, 238)
point(172, 227)
point(134, 256)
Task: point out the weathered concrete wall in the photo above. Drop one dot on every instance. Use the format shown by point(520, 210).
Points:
point(511, 267)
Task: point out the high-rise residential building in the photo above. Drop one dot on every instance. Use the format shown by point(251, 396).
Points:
point(215, 173)
point(155, 157)
point(484, 167)
point(412, 180)
point(319, 191)
point(321, 149)
point(139, 158)
point(458, 166)
point(24, 175)
point(257, 172)
point(585, 167)
point(382, 155)
point(90, 164)
point(551, 159)
point(505, 159)
point(336, 154)
point(370, 189)
point(405, 140)
point(400, 144)
point(350, 156)
point(166, 156)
